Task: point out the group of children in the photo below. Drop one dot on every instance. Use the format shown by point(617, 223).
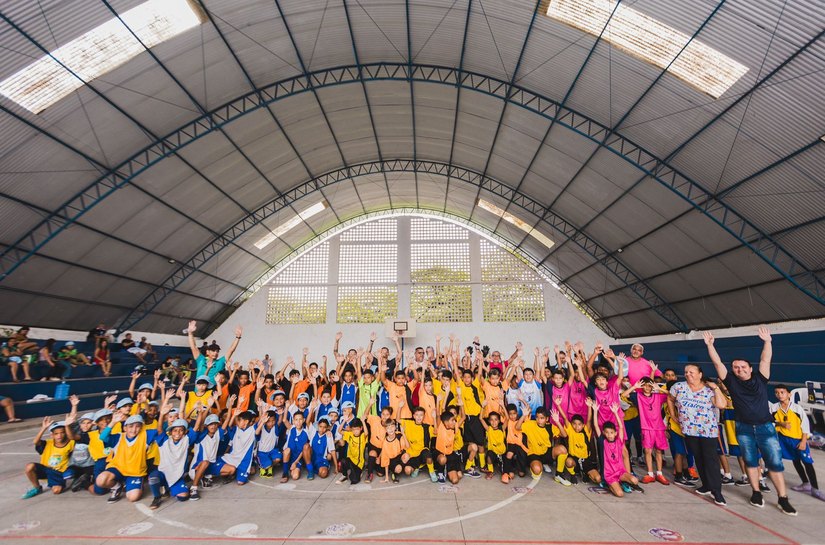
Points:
point(450, 413)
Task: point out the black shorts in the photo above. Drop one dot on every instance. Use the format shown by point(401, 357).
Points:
point(453, 462)
point(586, 465)
point(474, 431)
point(395, 462)
point(546, 458)
point(417, 461)
point(371, 448)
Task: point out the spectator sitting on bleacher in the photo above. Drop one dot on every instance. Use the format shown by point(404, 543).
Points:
point(19, 343)
point(101, 357)
point(149, 350)
point(13, 361)
point(128, 344)
point(69, 354)
point(97, 334)
point(50, 367)
point(8, 405)
point(168, 371)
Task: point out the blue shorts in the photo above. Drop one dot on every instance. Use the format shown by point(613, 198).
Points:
point(790, 452)
point(52, 476)
point(268, 459)
point(178, 488)
point(241, 473)
point(130, 482)
point(677, 444)
point(320, 462)
point(761, 439)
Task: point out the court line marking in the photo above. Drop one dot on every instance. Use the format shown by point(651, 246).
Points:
point(339, 488)
point(176, 523)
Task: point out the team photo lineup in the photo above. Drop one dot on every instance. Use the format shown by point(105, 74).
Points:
point(447, 412)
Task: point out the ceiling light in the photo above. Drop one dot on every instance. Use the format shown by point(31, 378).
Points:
point(511, 219)
point(643, 36)
point(289, 224)
point(98, 51)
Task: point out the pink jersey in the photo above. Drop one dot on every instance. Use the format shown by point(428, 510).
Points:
point(578, 400)
point(638, 368)
point(605, 398)
point(551, 393)
point(613, 459)
point(650, 410)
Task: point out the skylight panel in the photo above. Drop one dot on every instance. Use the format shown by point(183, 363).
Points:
point(513, 220)
point(290, 224)
point(98, 51)
point(644, 37)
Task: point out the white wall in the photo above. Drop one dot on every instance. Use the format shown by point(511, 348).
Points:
point(564, 322)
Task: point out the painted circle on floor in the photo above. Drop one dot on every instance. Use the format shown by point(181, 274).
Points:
point(666, 535)
point(21, 526)
point(242, 530)
point(341, 529)
point(360, 487)
point(448, 488)
point(134, 529)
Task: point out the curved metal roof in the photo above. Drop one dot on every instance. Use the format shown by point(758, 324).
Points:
point(138, 198)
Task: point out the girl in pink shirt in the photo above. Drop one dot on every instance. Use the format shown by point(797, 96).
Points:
point(615, 459)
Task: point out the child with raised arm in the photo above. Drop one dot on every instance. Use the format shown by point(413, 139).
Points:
point(267, 432)
point(296, 449)
point(418, 434)
point(237, 461)
point(581, 457)
point(496, 445)
point(447, 460)
point(174, 449)
point(55, 453)
point(650, 400)
point(127, 467)
point(392, 451)
point(515, 459)
point(355, 441)
point(615, 459)
point(324, 457)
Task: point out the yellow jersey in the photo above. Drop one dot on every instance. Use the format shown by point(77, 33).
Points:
point(355, 447)
point(538, 438)
point(444, 440)
point(97, 450)
point(55, 457)
point(130, 457)
point(418, 436)
point(496, 441)
point(472, 397)
point(792, 416)
point(578, 442)
point(192, 399)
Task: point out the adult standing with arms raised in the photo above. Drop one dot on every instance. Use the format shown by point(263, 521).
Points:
point(695, 401)
point(211, 363)
point(755, 429)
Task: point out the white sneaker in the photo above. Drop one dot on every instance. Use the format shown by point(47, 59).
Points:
point(561, 480)
point(548, 469)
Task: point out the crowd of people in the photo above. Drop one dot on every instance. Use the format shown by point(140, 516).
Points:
point(449, 411)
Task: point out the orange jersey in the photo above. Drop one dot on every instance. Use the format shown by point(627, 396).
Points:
point(390, 450)
point(377, 431)
point(444, 440)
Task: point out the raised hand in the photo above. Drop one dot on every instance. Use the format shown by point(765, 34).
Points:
point(554, 415)
point(231, 401)
point(109, 400)
point(134, 374)
point(305, 351)
point(238, 331)
point(614, 408)
point(579, 346)
point(536, 351)
point(74, 400)
point(765, 334)
point(47, 421)
point(70, 419)
point(373, 336)
point(260, 382)
point(708, 336)
point(519, 346)
point(590, 402)
point(193, 326)
point(339, 336)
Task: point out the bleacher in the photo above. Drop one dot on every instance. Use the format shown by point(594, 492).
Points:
point(87, 382)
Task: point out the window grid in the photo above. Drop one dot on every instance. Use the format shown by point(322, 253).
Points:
point(435, 303)
point(296, 305)
point(498, 265)
point(429, 229)
point(367, 264)
point(513, 302)
point(366, 304)
point(440, 262)
point(310, 268)
point(378, 230)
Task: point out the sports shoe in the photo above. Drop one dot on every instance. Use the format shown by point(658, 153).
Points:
point(661, 479)
point(561, 480)
point(786, 507)
point(804, 487)
point(702, 491)
point(694, 475)
point(32, 492)
point(156, 503)
point(394, 478)
point(505, 478)
point(115, 494)
point(433, 477)
point(547, 468)
point(757, 500)
point(727, 480)
point(647, 479)
point(414, 473)
point(474, 473)
point(206, 482)
point(573, 479)
point(535, 477)
point(81, 482)
point(818, 494)
point(719, 499)
point(627, 488)
point(441, 478)
point(193, 494)
point(742, 481)
point(637, 488)
point(262, 473)
point(682, 481)
point(310, 476)
point(369, 478)
point(763, 486)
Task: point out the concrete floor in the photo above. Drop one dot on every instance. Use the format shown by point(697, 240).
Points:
point(415, 511)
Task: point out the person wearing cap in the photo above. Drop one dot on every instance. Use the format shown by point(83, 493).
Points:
point(211, 362)
point(301, 405)
point(173, 447)
point(267, 432)
point(81, 463)
point(198, 397)
point(127, 467)
point(205, 453)
point(123, 407)
point(97, 450)
point(55, 454)
point(69, 354)
point(144, 393)
point(241, 436)
point(324, 456)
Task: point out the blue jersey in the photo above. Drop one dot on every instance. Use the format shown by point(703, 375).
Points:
point(321, 446)
point(348, 392)
point(323, 410)
point(296, 440)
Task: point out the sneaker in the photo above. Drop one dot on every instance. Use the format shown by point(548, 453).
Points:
point(115, 494)
point(661, 479)
point(702, 491)
point(742, 481)
point(627, 488)
point(694, 475)
point(763, 487)
point(474, 473)
point(561, 480)
point(647, 479)
point(727, 480)
point(193, 494)
point(441, 478)
point(818, 494)
point(757, 500)
point(414, 473)
point(573, 479)
point(394, 478)
point(804, 487)
point(310, 476)
point(535, 477)
point(369, 478)
point(682, 480)
point(505, 478)
point(156, 503)
point(547, 468)
point(32, 492)
point(786, 507)
point(433, 477)
point(262, 473)
point(206, 482)
point(81, 482)
point(637, 488)
point(719, 499)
